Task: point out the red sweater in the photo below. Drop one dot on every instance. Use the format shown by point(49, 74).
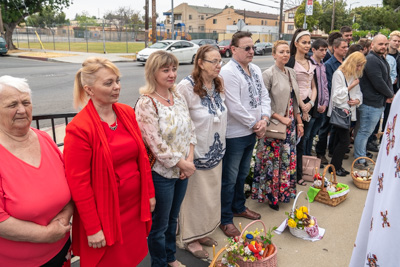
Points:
point(91, 177)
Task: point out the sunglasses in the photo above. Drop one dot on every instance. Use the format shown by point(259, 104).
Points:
point(247, 48)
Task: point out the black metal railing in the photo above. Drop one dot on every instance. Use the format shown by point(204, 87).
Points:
point(51, 118)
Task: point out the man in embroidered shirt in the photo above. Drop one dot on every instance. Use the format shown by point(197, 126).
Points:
point(340, 48)
point(319, 48)
point(249, 109)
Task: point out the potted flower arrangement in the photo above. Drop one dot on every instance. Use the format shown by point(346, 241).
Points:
point(251, 247)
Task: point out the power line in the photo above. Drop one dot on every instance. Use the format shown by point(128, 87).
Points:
point(259, 4)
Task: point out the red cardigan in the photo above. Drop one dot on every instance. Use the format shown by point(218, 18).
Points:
point(91, 177)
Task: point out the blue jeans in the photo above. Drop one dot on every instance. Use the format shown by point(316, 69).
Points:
point(369, 117)
point(162, 238)
point(323, 132)
point(235, 168)
point(313, 126)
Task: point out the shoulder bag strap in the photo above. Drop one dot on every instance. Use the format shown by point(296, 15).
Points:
point(152, 100)
point(291, 86)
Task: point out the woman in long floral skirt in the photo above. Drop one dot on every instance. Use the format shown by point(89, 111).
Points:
point(275, 159)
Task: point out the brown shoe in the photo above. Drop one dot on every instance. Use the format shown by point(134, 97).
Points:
point(249, 214)
point(324, 160)
point(229, 230)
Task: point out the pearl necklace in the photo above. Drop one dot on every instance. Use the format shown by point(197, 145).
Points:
point(166, 99)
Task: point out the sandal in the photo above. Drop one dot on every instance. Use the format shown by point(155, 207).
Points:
point(207, 241)
point(179, 264)
point(301, 182)
point(200, 254)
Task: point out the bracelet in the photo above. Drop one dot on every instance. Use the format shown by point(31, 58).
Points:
point(300, 124)
point(311, 102)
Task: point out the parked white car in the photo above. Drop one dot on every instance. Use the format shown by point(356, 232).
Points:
point(185, 51)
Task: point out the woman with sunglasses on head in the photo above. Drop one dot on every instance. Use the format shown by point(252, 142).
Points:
point(167, 129)
point(204, 93)
point(304, 68)
point(275, 161)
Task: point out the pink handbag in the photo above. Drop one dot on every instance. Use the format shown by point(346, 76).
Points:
point(310, 164)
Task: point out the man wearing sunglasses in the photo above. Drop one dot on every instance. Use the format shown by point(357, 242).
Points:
point(249, 109)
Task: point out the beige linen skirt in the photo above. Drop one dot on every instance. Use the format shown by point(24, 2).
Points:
point(200, 212)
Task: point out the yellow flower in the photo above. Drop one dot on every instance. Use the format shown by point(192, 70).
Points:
point(304, 209)
point(299, 214)
point(292, 223)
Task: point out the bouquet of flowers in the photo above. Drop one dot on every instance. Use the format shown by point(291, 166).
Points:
point(250, 247)
point(299, 221)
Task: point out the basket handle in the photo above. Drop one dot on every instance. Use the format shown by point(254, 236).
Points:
point(330, 179)
point(295, 201)
point(354, 162)
point(214, 261)
point(247, 226)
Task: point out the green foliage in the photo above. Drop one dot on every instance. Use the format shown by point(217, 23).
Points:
point(342, 17)
point(48, 17)
point(391, 3)
point(311, 20)
point(355, 26)
point(84, 19)
point(377, 18)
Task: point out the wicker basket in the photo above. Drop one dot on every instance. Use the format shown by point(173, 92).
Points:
point(270, 261)
point(302, 233)
point(215, 262)
point(360, 183)
point(323, 195)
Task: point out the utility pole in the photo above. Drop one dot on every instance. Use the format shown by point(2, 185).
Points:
point(280, 21)
point(154, 21)
point(1, 24)
point(333, 16)
point(172, 20)
point(146, 24)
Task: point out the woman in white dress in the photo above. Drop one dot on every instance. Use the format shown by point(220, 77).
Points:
point(378, 233)
point(204, 94)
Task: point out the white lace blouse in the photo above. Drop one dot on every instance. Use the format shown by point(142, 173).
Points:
point(168, 132)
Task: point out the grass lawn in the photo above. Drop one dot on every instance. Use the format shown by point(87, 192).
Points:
point(93, 47)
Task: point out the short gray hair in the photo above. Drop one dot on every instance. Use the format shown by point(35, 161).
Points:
point(18, 83)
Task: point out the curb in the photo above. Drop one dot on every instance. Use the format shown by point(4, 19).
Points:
point(36, 58)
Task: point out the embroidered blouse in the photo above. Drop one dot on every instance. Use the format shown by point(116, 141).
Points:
point(168, 132)
point(247, 98)
point(209, 116)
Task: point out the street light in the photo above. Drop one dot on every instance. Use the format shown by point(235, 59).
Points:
point(353, 4)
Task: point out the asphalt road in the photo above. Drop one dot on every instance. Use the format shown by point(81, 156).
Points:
point(52, 82)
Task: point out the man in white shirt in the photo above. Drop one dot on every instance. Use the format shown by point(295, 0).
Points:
point(249, 109)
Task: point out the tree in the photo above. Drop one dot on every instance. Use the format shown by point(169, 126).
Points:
point(14, 12)
point(377, 18)
point(342, 17)
point(311, 20)
point(122, 17)
point(85, 19)
point(46, 18)
point(391, 3)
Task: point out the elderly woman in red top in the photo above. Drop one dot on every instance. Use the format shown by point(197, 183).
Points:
point(35, 202)
point(108, 172)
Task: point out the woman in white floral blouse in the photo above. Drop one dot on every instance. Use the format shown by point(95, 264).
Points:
point(204, 93)
point(167, 129)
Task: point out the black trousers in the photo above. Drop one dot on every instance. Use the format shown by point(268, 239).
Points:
point(59, 259)
point(342, 141)
point(299, 154)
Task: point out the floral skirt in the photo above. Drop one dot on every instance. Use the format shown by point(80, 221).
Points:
point(275, 169)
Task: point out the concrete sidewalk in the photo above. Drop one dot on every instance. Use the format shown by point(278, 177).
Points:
point(334, 250)
point(69, 57)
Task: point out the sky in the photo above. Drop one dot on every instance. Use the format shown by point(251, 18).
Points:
point(99, 7)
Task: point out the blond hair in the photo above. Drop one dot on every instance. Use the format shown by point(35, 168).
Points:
point(394, 33)
point(87, 76)
point(156, 61)
point(278, 43)
point(349, 66)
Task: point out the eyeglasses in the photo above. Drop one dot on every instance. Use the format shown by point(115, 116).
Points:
point(247, 48)
point(215, 62)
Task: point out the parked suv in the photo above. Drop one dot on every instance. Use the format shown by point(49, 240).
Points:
point(3, 46)
point(225, 48)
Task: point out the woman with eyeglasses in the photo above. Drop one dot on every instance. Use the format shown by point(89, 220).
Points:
point(275, 160)
point(204, 93)
point(304, 68)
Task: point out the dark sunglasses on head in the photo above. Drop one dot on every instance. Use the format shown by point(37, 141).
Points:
point(247, 48)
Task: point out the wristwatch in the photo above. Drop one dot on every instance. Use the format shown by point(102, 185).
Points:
point(266, 120)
